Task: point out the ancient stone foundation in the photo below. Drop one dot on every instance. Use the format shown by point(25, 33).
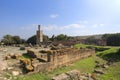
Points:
point(47, 60)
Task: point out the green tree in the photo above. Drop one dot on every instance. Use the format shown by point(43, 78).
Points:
point(32, 39)
point(52, 38)
point(17, 39)
point(61, 37)
point(105, 36)
point(91, 40)
point(113, 40)
point(45, 38)
point(8, 40)
point(23, 41)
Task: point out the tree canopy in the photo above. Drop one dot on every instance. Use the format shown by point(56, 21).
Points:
point(60, 37)
point(32, 39)
point(112, 39)
point(9, 39)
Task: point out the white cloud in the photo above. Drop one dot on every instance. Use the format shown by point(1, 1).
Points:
point(29, 27)
point(50, 27)
point(102, 25)
point(66, 27)
point(95, 25)
point(83, 22)
point(72, 26)
point(98, 25)
point(105, 7)
point(54, 16)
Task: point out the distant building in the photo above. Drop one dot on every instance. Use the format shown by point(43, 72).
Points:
point(39, 36)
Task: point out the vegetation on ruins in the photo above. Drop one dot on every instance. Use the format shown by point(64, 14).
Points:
point(60, 37)
point(9, 39)
point(107, 53)
point(32, 39)
point(91, 40)
point(112, 39)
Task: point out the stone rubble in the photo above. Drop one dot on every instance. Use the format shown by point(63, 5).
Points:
point(74, 75)
point(15, 73)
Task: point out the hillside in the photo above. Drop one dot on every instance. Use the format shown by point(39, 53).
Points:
point(84, 37)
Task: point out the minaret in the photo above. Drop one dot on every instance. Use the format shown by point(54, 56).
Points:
point(39, 36)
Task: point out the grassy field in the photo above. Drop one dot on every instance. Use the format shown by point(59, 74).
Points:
point(113, 72)
point(104, 54)
point(87, 65)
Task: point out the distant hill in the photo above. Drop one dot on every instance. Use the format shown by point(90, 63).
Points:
point(84, 37)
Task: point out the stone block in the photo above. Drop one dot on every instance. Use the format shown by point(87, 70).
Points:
point(61, 77)
point(71, 75)
point(22, 48)
point(29, 68)
point(32, 53)
point(15, 73)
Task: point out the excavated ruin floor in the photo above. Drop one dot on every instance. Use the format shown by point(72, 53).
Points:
point(9, 65)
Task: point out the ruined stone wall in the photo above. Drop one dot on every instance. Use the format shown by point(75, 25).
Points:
point(58, 58)
point(66, 56)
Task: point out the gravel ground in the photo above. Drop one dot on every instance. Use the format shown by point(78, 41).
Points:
point(14, 50)
point(5, 64)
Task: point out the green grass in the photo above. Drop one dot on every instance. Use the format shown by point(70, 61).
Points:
point(113, 73)
point(84, 66)
point(36, 76)
point(112, 53)
point(97, 48)
point(104, 54)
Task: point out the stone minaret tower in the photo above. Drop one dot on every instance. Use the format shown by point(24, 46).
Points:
point(39, 36)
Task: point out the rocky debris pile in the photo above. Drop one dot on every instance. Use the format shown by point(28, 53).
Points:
point(26, 65)
point(100, 68)
point(59, 46)
point(22, 48)
point(99, 71)
point(72, 75)
point(3, 49)
point(75, 75)
point(9, 70)
point(32, 53)
point(11, 56)
point(3, 65)
point(9, 76)
point(54, 47)
point(104, 65)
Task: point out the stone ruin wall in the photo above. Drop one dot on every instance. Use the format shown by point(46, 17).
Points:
point(58, 58)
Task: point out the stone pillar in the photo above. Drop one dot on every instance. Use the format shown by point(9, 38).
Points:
point(39, 36)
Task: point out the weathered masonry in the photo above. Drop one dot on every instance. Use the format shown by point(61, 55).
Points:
point(47, 60)
point(39, 36)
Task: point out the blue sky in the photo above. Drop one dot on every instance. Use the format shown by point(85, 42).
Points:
point(71, 17)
